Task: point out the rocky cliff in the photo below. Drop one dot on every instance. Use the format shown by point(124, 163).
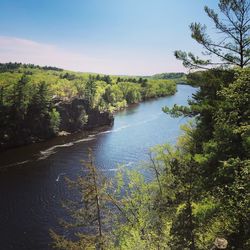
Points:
point(76, 115)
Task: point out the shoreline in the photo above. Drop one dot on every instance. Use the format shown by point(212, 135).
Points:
point(87, 130)
point(66, 139)
point(38, 149)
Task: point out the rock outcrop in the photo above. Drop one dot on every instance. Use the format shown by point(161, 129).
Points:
point(76, 115)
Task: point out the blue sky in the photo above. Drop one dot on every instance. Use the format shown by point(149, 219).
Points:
point(107, 36)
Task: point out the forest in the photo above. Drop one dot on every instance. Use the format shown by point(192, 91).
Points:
point(29, 95)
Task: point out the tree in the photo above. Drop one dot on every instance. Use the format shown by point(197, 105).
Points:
point(90, 90)
point(118, 214)
point(107, 79)
point(221, 146)
point(98, 78)
point(113, 94)
point(118, 80)
point(231, 134)
point(233, 45)
point(40, 117)
point(221, 135)
point(1, 96)
point(88, 212)
point(40, 100)
point(80, 88)
point(19, 95)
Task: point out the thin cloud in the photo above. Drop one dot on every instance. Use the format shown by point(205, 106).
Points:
point(28, 51)
point(14, 49)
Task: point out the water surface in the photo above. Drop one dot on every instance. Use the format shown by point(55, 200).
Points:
point(31, 180)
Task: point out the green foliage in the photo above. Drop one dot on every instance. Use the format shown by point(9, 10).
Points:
point(156, 88)
point(232, 46)
point(88, 212)
point(143, 226)
point(131, 92)
point(102, 91)
point(28, 94)
point(120, 214)
point(177, 77)
point(221, 109)
point(54, 120)
point(221, 152)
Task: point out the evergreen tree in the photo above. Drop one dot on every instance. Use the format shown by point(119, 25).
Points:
point(19, 95)
point(90, 90)
point(98, 78)
point(232, 47)
point(221, 150)
point(88, 212)
point(107, 79)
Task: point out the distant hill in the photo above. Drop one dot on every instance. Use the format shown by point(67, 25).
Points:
point(11, 67)
point(177, 77)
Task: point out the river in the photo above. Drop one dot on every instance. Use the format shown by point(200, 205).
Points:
point(31, 177)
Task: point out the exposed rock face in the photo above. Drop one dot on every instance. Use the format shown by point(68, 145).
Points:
point(77, 115)
point(220, 243)
point(73, 115)
point(98, 119)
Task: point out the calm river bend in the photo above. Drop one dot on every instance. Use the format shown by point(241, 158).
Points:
point(31, 177)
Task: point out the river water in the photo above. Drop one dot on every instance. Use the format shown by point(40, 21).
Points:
point(31, 177)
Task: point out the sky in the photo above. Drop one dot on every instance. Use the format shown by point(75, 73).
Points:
point(125, 37)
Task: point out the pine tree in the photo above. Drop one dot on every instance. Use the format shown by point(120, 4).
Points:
point(89, 213)
point(232, 47)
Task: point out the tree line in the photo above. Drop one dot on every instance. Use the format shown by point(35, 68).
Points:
point(29, 93)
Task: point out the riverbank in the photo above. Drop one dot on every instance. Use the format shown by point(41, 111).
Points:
point(42, 149)
point(38, 103)
point(75, 115)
